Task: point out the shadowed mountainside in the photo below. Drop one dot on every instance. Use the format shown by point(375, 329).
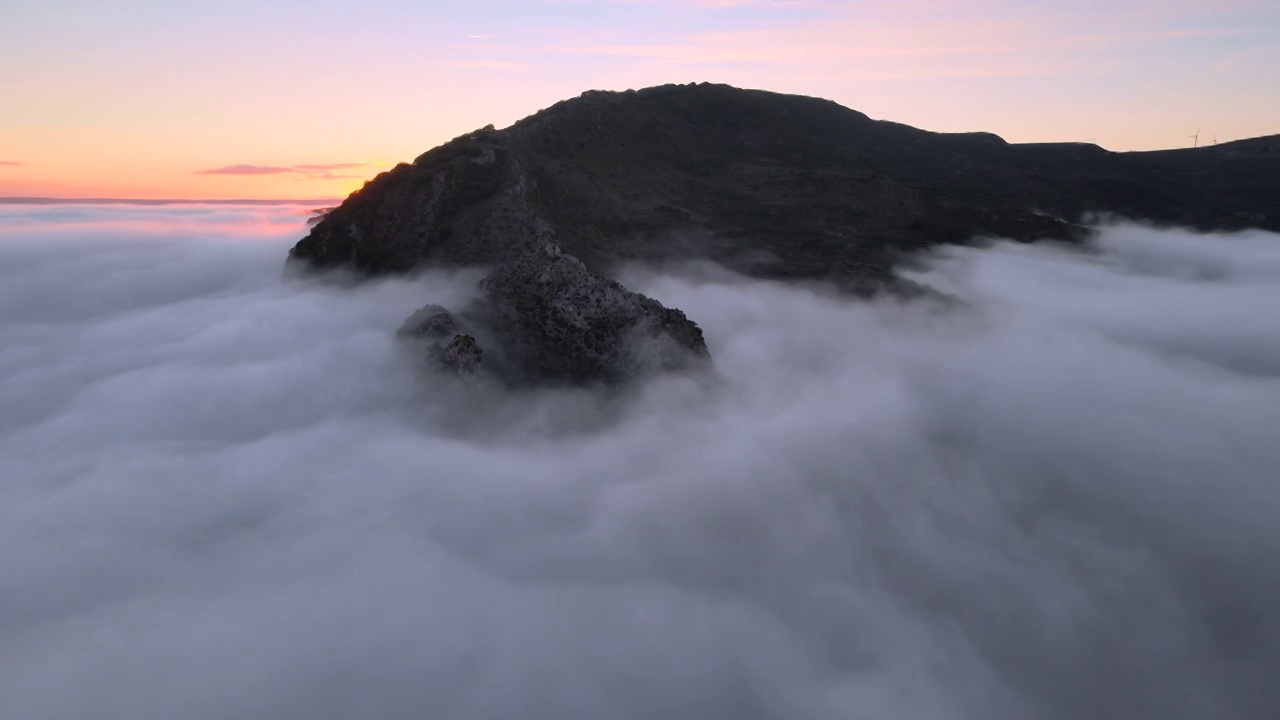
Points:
point(768, 184)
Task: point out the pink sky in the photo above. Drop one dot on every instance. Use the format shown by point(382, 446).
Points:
point(293, 99)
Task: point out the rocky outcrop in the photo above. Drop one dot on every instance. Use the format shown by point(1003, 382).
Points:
point(432, 322)
point(435, 331)
point(557, 319)
point(544, 317)
point(462, 354)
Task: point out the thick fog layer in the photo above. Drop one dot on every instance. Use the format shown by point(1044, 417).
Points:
point(224, 494)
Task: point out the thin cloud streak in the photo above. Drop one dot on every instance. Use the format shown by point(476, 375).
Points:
point(309, 171)
point(245, 170)
point(329, 166)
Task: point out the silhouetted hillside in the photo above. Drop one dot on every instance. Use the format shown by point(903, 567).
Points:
point(770, 184)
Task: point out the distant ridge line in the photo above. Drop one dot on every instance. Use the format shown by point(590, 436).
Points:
point(323, 202)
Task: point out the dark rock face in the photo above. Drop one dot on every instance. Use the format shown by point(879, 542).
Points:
point(462, 354)
point(436, 328)
point(558, 320)
point(547, 318)
point(769, 185)
point(470, 202)
point(429, 323)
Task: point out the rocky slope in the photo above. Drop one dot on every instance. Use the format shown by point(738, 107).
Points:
point(544, 317)
point(770, 185)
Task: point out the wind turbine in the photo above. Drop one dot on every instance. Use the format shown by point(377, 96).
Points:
point(1195, 139)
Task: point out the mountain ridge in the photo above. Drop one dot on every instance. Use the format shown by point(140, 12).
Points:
point(772, 185)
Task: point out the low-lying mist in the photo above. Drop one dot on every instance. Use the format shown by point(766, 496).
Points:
point(225, 494)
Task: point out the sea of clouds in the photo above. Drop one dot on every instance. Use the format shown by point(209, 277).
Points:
point(227, 494)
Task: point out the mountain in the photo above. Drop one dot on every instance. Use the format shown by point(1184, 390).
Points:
point(769, 184)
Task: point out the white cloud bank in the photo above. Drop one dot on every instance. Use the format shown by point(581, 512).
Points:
point(225, 495)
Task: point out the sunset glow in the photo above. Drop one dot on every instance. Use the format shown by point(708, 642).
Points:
point(290, 100)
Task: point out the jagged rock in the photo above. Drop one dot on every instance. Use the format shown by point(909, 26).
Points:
point(557, 320)
point(444, 346)
point(548, 319)
point(462, 354)
point(432, 322)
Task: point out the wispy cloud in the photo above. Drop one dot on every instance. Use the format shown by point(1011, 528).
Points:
point(326, 167)
point(11, 163)
point(246, 170)
point(309, 171)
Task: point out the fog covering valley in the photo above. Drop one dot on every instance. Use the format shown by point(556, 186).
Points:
point(228, 494)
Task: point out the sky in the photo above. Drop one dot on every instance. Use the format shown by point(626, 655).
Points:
point(292, 99)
